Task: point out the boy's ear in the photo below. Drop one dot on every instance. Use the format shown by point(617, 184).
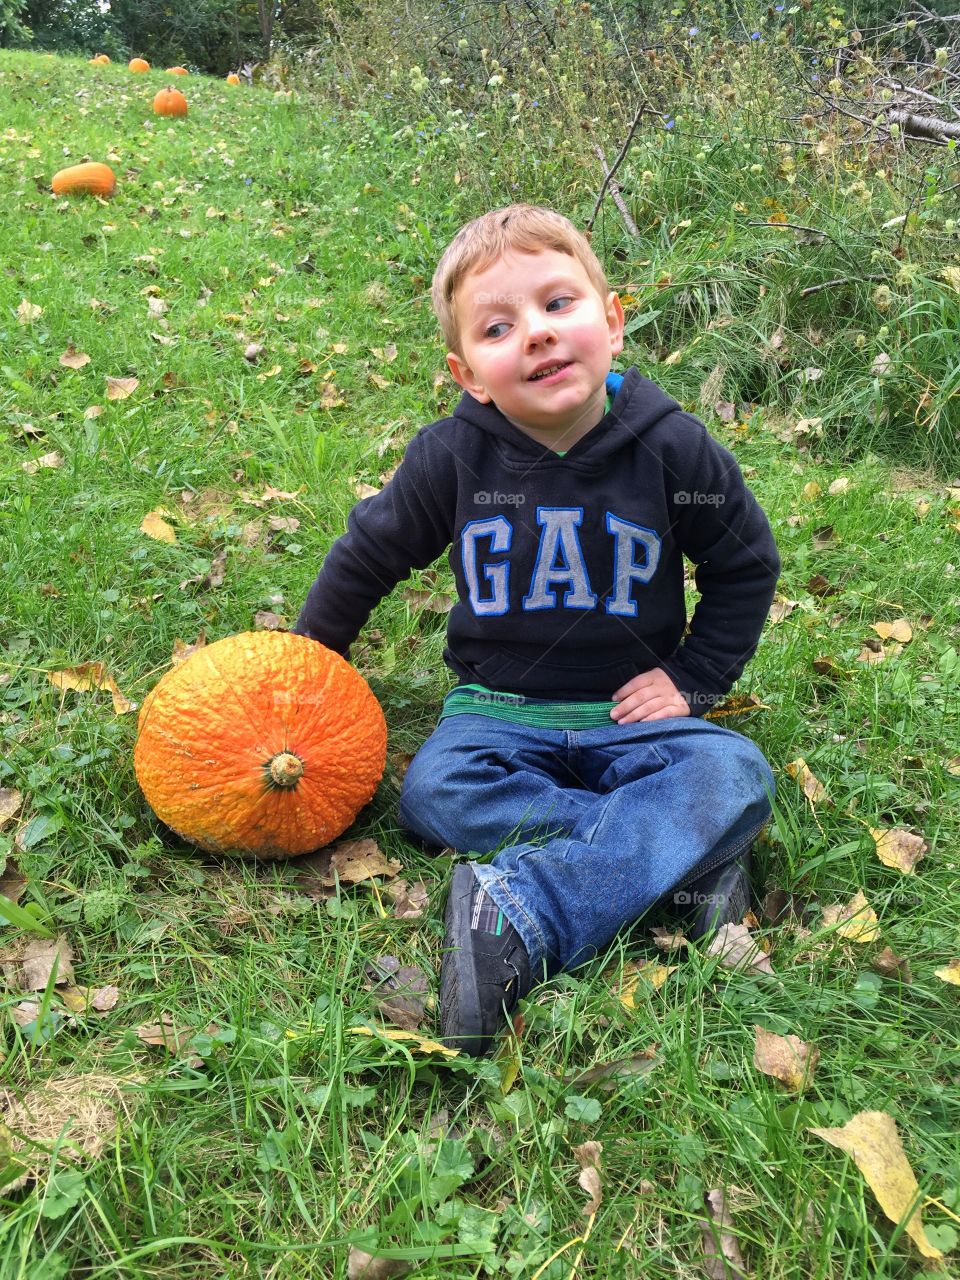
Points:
point(615, 321)
point(464, 376)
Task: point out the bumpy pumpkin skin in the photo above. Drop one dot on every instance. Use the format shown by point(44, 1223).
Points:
point(209, 730)
point(90, 179)
point(170, 102)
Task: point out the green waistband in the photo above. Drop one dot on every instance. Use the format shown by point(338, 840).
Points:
point(474, 699)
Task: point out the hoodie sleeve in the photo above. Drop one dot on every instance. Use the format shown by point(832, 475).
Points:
point(401, 528)
point(723, 530)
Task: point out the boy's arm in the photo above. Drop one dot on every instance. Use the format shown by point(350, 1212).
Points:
point(723, 530)
point(401, 528)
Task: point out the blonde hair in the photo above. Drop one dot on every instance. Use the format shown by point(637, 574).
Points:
point(525, 228)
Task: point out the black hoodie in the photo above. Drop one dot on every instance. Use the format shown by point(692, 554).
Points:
point(569, 569)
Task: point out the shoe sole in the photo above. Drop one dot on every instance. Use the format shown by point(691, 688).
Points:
point(457, 970)
point(732, 886)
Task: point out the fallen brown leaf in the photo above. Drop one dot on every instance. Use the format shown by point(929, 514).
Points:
point(409, 900)
point(155, 526)
point(10, 802)
point(354, 861)
point(166, 1035)
point(786, 1058)
point(898, 630)
point(121, 388)
point(587, 1156)
point(73, 359)
point(722, 1258)
point(30, 965)
point(400, 991)
point(364, 1266)
point(892, 966)
point(734, 947)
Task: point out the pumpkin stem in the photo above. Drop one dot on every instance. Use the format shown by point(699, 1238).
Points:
point(285, 769)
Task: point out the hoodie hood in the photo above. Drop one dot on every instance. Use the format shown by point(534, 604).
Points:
point(638, 405)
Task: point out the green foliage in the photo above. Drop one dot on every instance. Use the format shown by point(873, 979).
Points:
point(12, 19)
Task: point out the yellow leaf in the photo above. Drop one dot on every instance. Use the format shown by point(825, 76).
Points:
point(811, 491)
point(813, 788)
point(154, 526)
point(89, 676)
point(786, 1058)
point(855, 920)
point(871, 1138)
point(674, 357)
point(651, 971)
point(27, 312)
point(950, 973)
point(416, 1044)
point(738, 705)
point(838, 486)
point(120, 388)
point(898, 630)
point(897, 847)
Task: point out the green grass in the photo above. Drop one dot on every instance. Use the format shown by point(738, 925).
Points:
point(297, 1135)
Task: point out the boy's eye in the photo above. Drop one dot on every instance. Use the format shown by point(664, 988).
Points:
point(495, 330)
point(557, 304)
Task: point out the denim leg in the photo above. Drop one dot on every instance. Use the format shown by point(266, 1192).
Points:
point(478, 783)
point(669, 795)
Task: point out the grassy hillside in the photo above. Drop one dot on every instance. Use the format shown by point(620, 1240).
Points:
point(257, 287)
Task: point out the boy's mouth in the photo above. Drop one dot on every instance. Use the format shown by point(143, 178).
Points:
point(548, 371)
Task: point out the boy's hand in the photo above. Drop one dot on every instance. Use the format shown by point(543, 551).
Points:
point(652, 695)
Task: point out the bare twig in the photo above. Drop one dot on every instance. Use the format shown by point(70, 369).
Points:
point(833, 284)
point(644, 106)
point(924, 128)
point(616, 197)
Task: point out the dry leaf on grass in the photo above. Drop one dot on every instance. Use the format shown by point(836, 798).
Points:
point(786, 1058)
point(588, 1158)
point(121, 388)
point(46, 462)
point(949, 973)
point(28, 966)
point(182, 650)
point(155, 526)
point(354, 861)
point(871, 1138)
point(733, 945)
point(166, 1035)
point(413, 1042)
point(409, 900)
point(83, 999)
point(855, 919)
point(651, 971)
point(74, 359)
point(891, 966)
point(28, 311)
point(668, 940)
point(609, 1075)
point(898, 630)
point(722, 1259)
point(75, 1113)
point(739, 705)
point(364, 1266)
point(10, 802)
point(89, 676)
point(897, 847)
point(813, 788)
point(399, 990)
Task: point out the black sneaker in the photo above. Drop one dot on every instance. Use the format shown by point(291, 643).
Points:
point(485, 968)
point(720, 897)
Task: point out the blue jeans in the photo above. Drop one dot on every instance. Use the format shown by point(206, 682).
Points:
point(590, 826)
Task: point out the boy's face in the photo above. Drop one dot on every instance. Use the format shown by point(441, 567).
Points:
point(537, 339)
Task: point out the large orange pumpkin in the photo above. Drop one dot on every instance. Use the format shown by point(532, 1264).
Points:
point(90, 179)
point(177, 71)
point(170, 102)
point(266, 744)
point(138, 64)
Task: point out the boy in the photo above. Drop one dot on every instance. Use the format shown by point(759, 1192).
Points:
point(572, 747)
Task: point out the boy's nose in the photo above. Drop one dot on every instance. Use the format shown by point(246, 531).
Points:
point(539, 333)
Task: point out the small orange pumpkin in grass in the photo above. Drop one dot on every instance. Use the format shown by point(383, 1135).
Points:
point(233, 78)
point(170, 102)
point(265, 744)
point(138, 64)
point(100, 60)
point(177, 71)
point(90, 179)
